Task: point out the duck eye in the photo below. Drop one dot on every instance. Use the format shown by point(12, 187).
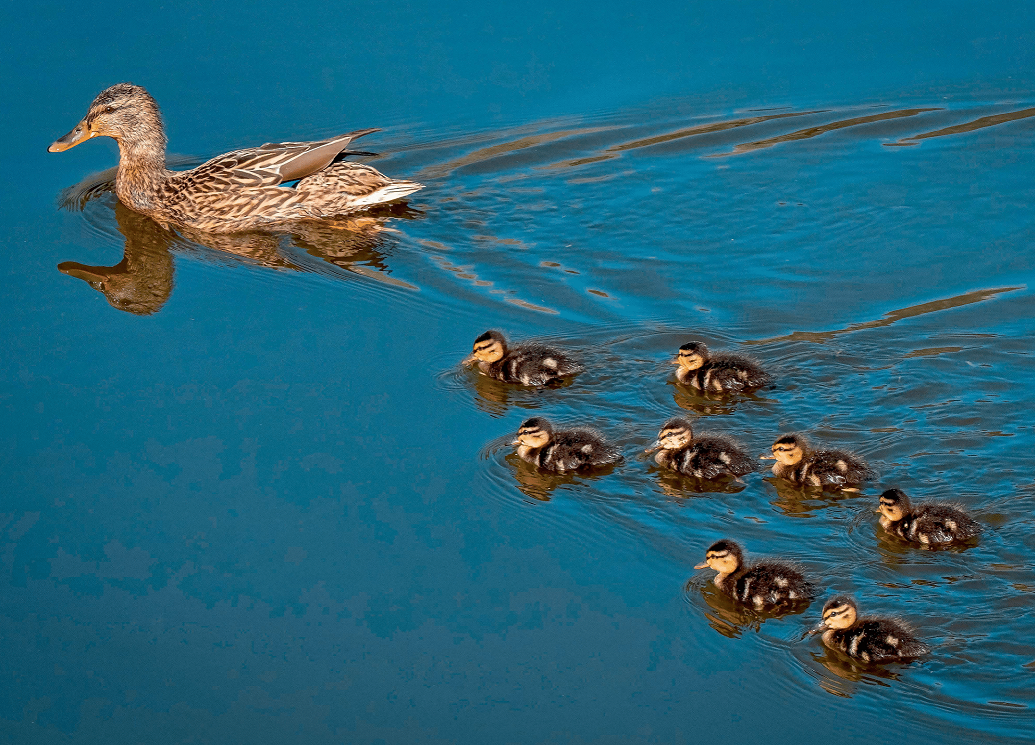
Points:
point(109, 109)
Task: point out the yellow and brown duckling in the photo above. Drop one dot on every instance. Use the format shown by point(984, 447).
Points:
point(928, 524)
point(797, 462)
point(563, 450)
point(764, 586)
point(241, 190)
point(703, 457)
point(867, 639)
point(525, 364)
point(719, 373)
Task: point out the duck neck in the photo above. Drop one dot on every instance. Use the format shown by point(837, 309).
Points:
point(141, 170)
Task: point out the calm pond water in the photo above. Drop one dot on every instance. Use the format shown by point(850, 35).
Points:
point(251, 497)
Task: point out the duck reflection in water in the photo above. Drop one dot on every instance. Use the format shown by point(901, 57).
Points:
point(143, 281)
point(496, 398)
point(798, 501)
point(731, 618)
point(540, 485)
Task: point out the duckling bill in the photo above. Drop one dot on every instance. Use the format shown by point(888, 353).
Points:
point(703, 456)
point(928, 524)
point(765, 586)
point(541, 445)
point(797, 462)
point(528, 364)
point(719, 373)
point(241, 190)
point(875, 640)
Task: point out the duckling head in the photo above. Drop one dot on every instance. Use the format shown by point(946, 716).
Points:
point(675, 434)
point(489, 347)
point(839, 613)
point(894, 504)
point(723, 556)
point(125, 112)
point(692, 355)
point(788, 450)
point(534, 433)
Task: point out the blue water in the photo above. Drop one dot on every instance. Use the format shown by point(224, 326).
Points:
point(250, 496)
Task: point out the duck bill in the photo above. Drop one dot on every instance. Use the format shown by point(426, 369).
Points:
point(763, 456)
point(818, 629)
point(94, 275)
point(81, 133)
point(468, 361)
point(516, 443)
point(701, 566)
point(655, 446)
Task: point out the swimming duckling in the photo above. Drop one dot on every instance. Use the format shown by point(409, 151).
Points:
point(867, 639)
point(720, 373)
point(538, 443)
point(800, 464)
point(766, 585)
point(707, 457)
point(527, 364)
point(937, 523)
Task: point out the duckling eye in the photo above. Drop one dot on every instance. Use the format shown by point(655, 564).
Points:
point(109, 109)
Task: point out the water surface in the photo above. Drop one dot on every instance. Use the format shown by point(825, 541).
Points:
point(252, 498)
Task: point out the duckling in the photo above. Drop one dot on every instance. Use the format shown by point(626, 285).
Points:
point(867, 639)
point(800, 464)
point(720, 373)
point(936, 523)
point(706, 457)
point(527, 364)
point(567, 450)
point(766, 585)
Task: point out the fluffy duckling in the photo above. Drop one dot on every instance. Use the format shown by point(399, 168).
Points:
point(707, 457)
point(800, 464)
point(867, 639)
point(568, 450)
point(720, 373)
point(936, 523)
point(766, 585)
point(526, 364)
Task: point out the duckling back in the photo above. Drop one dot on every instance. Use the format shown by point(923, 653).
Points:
point(533, 365)
point(876, 640)
point(726, 373)
point(573, 449)
point(769, 584)
point(936, 523)
point(708, 457)
point(837, 468)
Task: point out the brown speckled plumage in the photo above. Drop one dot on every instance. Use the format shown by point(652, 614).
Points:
point(240, 190)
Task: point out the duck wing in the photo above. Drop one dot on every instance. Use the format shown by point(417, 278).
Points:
point(271, 164)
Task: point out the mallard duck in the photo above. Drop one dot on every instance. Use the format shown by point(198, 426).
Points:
point(241, 190)
point(765, 585)
point(704, 457)
point(867, 639)
point(567, 450)
point(936, 523)
point(797, 462)
point(526, 364)
point(720, 373)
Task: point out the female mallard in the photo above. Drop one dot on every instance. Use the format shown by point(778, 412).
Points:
point(526, 364)
point(242, 190)
point(719, 373)
point(867, 639)
point(800, 464)
point(929, 524)
point(765, 585)
point(705, 457)
point(541, 445)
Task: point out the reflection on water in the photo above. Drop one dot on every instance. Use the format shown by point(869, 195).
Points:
point(730, 618)
point(143, 281)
